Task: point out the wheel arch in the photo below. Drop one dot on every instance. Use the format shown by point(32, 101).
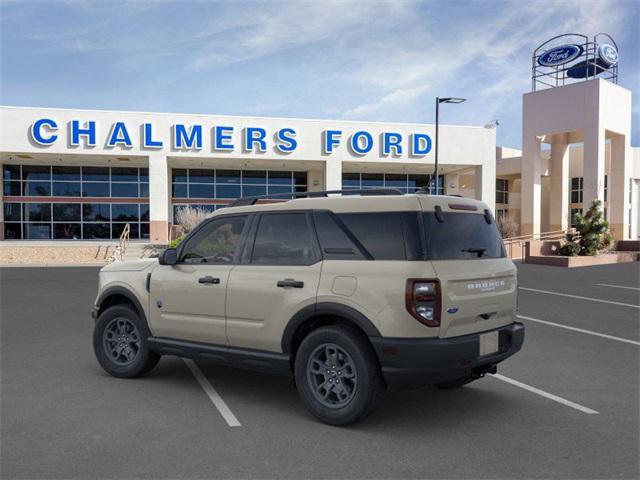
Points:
point(118, 295)
point(320, 314)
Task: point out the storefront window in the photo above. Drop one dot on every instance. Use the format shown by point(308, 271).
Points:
point(400, 181)
point(576, 190)
point(502, 190)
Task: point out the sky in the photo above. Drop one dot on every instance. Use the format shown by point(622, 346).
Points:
point(345, 60)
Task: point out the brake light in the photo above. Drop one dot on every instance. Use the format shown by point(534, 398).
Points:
point(423, 301)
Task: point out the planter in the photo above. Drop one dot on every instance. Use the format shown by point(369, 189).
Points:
point(601, 259)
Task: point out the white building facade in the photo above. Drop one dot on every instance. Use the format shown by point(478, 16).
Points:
point(85, 174)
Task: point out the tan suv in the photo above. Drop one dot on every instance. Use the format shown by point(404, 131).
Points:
point(350, 294)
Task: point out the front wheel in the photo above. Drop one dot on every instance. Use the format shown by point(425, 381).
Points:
point(120, 343)
point(337, 375)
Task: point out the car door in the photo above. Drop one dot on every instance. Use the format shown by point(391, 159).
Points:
point(279, 275)
point(187, 300)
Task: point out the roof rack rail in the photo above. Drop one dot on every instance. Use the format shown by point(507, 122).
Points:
point(241, 202)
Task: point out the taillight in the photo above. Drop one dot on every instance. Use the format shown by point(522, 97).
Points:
point(423, 301)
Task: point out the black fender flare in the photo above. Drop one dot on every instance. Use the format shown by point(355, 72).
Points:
point(125, 292)
point(326, 308)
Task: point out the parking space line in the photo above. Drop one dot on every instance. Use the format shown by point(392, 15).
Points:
point(581, 330)
point(213, 395)
point(616, 286)
point(580, 297)
point(550, 396)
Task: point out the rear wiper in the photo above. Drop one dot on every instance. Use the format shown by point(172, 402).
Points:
point(479, 251)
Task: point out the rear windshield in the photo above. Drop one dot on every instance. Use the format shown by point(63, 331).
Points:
point(462, 236)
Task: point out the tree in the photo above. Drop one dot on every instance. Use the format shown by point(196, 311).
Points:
point(592, 233)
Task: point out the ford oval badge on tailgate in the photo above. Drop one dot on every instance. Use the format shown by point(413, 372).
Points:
point(452, 310)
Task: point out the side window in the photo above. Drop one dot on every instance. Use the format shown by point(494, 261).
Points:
point(335, 243)
point(385, 235)
point(283, 239)
point(215, 243)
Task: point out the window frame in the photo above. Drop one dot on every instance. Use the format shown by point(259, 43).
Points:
point(241, 244)
point(247, 255)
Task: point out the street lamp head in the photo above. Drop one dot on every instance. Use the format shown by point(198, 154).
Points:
point(451, 100)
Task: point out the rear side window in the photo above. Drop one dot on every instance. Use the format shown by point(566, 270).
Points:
point(283, 239)
point(462, 236)
point(335, 240)
point(385, 235)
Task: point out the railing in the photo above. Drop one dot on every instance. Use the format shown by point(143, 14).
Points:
point(516, 245)
point(123, 244)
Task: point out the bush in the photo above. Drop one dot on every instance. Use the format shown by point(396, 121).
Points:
point(176, 241)
point(190, 217)
point(591, 235)
point(508, 227)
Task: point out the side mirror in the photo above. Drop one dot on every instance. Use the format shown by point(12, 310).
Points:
point(168, 257)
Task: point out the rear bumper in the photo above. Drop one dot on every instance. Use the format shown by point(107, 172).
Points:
point(417, 362)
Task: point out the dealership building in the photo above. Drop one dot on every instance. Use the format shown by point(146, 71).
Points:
point(85, 174)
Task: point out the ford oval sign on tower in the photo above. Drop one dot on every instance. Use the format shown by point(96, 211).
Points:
point(560, 55)
point(608, 54)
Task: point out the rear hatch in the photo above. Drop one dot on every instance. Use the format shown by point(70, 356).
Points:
point(477, 281)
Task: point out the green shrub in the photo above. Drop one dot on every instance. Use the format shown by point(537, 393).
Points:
point(176, 241)
point(592, 233)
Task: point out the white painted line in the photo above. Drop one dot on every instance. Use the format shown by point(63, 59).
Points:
point(580, 298)
point(213, 395)
point(548, 395)
point(581, 330)
point(616, 286)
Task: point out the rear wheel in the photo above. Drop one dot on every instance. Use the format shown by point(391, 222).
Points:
point(120, 343)
point(337, 375)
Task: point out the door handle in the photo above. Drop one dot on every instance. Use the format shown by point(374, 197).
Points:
point(209, 280)
point(290, 282)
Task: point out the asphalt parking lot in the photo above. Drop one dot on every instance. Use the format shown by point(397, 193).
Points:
point(567, 406)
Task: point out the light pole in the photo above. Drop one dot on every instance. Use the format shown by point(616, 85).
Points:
point(438, 102)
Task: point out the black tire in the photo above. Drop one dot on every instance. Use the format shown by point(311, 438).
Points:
point(135, 358)
point(359, 364)
point(460, 382)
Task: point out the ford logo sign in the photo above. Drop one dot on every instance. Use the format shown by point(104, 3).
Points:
point(608, 54)
point(560, 55)
point(452, 310)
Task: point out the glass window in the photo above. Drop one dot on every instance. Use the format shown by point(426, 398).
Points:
point(13, 231)
point(279, 190)
point(12, 189)
point(37, 231)
point(227, 176)
point(96, 230)
point(124, 212)
point(66, 173)
point(502, 190)
point(395, 180)
point(36, 172)
point(280, 178)
point(576, 190)
point(300, 178)
point(372, 180)
point(351, 180)
point(118, 228)
point(37, 189)
point(144, 212)
point(197, 190)
point(215, 243)
point(71, 231)
point(228, 191)
point(12, 212)
point(334, 241)
point(573, 212)
point(96, 212)
point(418, 181)
point(144, 230)
point(124, 174)
point(66, 189)
point(606, 187)
point(283, 239)
point(462, 236)
point(95, 189)
point(179, 190)
point(144, 190)
point(95, 174)
point(66, 212)
point(201, 175)
point(254, 177)
point(124, 190)
point(11, 172)
point(37, 212)
point(253, 190)
point(144, 174)
point(381, 233)
point(179, 175)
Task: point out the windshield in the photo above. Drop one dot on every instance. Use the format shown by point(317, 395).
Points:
point(462, 236)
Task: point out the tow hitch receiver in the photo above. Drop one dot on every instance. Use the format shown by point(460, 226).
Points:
point(481, 371)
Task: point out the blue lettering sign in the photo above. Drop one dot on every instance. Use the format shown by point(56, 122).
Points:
point(391, 140)
point(255, 136)
point(119, 136)
point(359, 147)
point(147, 137)
point(186, 139)
point(37, 134)
point(222, 137)
point(420, 144)
point(331, 139)
point(88, 131)
point(286, 140)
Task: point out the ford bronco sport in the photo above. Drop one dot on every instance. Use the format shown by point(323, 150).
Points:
point(349, 294)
